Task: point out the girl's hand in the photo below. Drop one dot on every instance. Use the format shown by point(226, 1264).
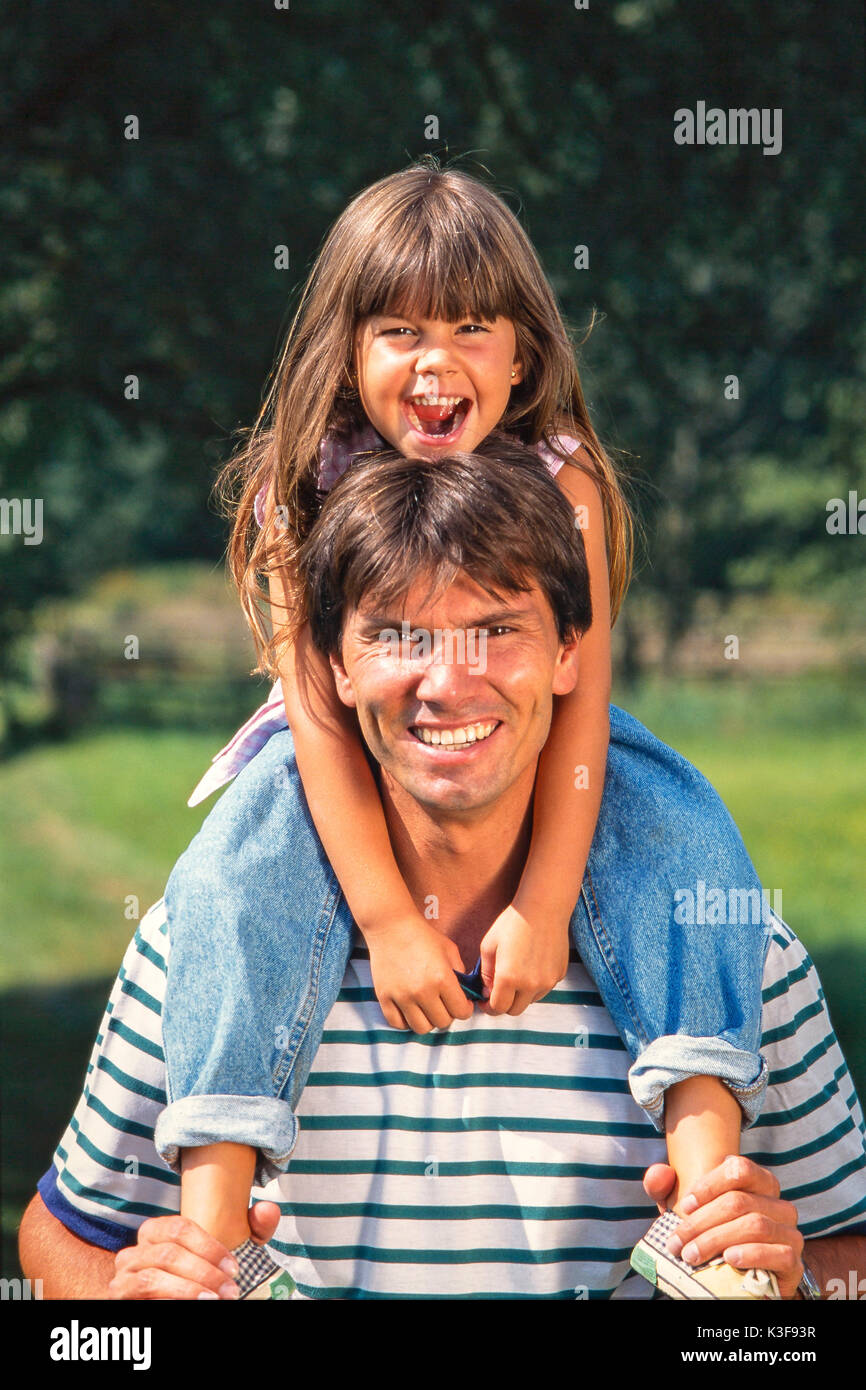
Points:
point(521, 961)
point(413, 968)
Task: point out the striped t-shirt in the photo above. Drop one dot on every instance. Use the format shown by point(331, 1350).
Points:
point(500, 1158)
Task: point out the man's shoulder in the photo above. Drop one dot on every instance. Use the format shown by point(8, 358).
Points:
point(149, 948)
point(811, 1130)
point(795, 1015)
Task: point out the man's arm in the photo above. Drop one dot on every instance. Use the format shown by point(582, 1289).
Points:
point(67, 1265)
point(171, 1259)
point(836, 1257)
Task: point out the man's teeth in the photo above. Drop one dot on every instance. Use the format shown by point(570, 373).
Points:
point(450, 738)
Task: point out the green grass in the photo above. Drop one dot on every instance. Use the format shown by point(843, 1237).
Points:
point(85, 824)
point(788, 760)
point(83, 827)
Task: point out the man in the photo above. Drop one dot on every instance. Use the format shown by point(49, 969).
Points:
point(504, 1156)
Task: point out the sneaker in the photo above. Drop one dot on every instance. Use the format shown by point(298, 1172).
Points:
point(258, 1276)
point(713, 1279)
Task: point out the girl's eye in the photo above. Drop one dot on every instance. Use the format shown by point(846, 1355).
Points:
point(473, 328)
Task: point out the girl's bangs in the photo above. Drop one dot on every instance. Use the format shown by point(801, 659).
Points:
point(432, 276)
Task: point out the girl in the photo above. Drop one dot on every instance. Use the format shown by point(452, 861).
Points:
point(426, 324)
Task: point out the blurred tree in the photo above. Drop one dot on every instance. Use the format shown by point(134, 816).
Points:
point(153, 257)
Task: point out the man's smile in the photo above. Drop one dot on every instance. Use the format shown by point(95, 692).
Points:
point(451, 739)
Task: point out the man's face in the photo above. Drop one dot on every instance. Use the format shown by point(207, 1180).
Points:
point(458, 711)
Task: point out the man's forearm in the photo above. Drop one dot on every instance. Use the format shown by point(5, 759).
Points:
point(837, 1258)
point(67, 1266)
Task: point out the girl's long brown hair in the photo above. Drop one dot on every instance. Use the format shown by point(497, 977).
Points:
point(426, 242)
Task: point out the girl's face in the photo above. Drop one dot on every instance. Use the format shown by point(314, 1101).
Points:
point(429, 386)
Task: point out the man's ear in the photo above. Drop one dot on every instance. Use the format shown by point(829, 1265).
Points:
point(341, 680)
point(567, 665)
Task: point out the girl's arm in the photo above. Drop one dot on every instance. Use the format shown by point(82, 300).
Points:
point(702, 1117)
point(525, 953)
point(412, 963)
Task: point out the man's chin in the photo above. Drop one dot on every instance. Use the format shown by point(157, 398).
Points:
point(443, 795)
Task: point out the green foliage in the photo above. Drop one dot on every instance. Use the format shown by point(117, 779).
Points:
point(155, 256)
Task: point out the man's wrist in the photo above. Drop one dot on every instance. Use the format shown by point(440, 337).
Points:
point(808, 1288)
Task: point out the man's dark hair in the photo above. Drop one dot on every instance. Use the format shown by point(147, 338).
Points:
point(495, 514)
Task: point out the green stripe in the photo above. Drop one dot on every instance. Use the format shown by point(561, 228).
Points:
point(782, 986)
point(117, 1165)
point(359, 994)
point(131, 1083)
point(136, 1040)
point(788, 1117)
point(118, 1122)
point(823, 1141)
point(427, 1124)
point(103, 1199)
point(812, 1189)
point(135, 991)
point(778, 1078)
point(383, 1212)
point(405, 1168)
point(787, 1030)
point(145, 949)
point(440, 1081)
point(368, 1037)
point(810, 1228)
point(596, 1254)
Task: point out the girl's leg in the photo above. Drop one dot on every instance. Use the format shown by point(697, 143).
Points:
point(673, 925)
point(215, 1188)
point(259, 936)
point(702, 1121)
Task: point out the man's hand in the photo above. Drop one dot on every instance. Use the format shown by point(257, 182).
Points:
point(174, 1258)
point(413, 968)
point(736, 1211)
point(521, 961)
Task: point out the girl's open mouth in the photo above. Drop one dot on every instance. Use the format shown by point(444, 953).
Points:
point(437, 417)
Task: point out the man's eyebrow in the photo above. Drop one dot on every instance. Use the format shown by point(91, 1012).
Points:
point(379, 622)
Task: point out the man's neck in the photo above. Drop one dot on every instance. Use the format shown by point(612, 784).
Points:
point(462, 870)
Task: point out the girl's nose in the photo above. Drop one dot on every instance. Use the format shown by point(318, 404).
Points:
point(433, 359)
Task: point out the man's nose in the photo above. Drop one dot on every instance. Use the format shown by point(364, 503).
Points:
point(444, 675)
